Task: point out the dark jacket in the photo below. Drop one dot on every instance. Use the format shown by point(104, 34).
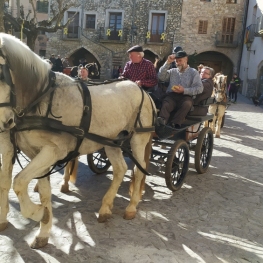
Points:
point(207, 92)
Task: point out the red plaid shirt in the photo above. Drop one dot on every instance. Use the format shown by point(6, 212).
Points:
point(143, 71)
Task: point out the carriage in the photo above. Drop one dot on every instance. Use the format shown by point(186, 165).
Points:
point(172, 155)
point(55, 122)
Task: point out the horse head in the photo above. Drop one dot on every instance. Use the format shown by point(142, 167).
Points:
point(7, 115)
point(23, 76)
point(220, 86)
point(93, 69)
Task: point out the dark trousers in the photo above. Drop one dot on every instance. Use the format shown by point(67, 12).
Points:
point(179, 103)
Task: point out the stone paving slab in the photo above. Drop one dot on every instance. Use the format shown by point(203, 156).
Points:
point(215, 217)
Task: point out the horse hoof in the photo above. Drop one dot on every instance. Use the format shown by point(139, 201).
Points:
point(64, 189)
point(217, 136)
point(104, 218)
point(39, 242)
point(3, 226)
point(129, 215)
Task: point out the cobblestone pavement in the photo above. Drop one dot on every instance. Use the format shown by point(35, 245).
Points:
point(215, 217)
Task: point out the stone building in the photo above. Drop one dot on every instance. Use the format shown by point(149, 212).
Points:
point(210, 31)
point(251, 68)
point(102, 31)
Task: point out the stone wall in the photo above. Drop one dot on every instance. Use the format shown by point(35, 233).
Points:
point(213, 12)
point(136, 13)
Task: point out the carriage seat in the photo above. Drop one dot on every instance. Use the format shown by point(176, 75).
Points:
point(201, 109)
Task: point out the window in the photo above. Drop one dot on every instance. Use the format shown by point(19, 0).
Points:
point(73, 27)
point(115, 20)
point(228, 30)
point(202, 28)
point(42, 6)
point(157, 27)
point(231, 1)
point(90, 21)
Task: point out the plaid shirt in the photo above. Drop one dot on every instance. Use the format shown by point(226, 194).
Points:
point(143, 71)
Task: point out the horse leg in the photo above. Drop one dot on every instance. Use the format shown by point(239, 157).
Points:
point(70, 173)
point(219, 122)
point(42, 235)
point(37, 167)
point(5, 185)
point(147, 157)
point(119, 167)
point(138, 145)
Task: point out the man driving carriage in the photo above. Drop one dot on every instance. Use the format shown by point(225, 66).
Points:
point(139, 69)
point(184, 83)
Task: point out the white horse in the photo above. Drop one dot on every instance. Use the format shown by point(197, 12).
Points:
point(219, 107)
point(117, 108)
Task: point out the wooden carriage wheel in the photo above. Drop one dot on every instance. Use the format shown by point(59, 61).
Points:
point(203, 150)
point(177, 165)
point(98, 161)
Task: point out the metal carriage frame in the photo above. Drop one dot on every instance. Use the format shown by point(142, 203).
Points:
point(174, 159)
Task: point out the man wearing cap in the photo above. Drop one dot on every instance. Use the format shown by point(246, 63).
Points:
point(139, 69)
point(184, 83)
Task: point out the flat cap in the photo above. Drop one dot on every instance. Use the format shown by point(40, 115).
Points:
point(136, 48)
point(176, 49)
point(180, 54)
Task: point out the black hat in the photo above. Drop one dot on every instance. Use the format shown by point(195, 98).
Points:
point(176, 49)
point(136, 48)
point(180, 54)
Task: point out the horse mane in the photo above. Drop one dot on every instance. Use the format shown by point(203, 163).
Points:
point(29, 72)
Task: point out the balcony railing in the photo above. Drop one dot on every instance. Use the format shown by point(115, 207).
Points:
point(227, 40)
point(155, 36)
point(107, 34)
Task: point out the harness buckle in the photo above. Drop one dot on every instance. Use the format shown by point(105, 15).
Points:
point(85, 109)
point(19, 112)
point(82, 133)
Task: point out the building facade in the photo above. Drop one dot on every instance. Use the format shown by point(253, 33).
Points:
point(213, 31)
point(102, 31)
point(251, 68)
point(23, 8)
point(209, 30)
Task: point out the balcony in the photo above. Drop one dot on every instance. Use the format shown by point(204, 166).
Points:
point(71, 33)
point(155, 37)
point(227, 40)
point(259, 27)
point(107, 34)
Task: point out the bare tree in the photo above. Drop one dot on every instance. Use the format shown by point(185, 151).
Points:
point(31, 27)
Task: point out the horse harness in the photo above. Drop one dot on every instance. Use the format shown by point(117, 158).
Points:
point(45, 123)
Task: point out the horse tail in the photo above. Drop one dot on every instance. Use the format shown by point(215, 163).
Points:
point(73, 168)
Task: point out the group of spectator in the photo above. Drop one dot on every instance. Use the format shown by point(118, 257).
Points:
point(58, 64)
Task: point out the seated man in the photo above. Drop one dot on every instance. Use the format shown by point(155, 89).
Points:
point(184, 83)
point(139, 69)
point(206, 75)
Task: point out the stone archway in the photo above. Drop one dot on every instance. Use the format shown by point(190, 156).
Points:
point(83, 55)
point(218, 61)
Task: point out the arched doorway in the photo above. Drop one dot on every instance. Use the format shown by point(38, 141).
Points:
point(81, 56)
point(218, 61)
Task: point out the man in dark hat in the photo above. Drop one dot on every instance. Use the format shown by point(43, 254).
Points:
point(184, 84)
point(139, 69)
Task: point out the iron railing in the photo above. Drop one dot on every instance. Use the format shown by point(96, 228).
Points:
point(155, 36)
point(113, 34)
